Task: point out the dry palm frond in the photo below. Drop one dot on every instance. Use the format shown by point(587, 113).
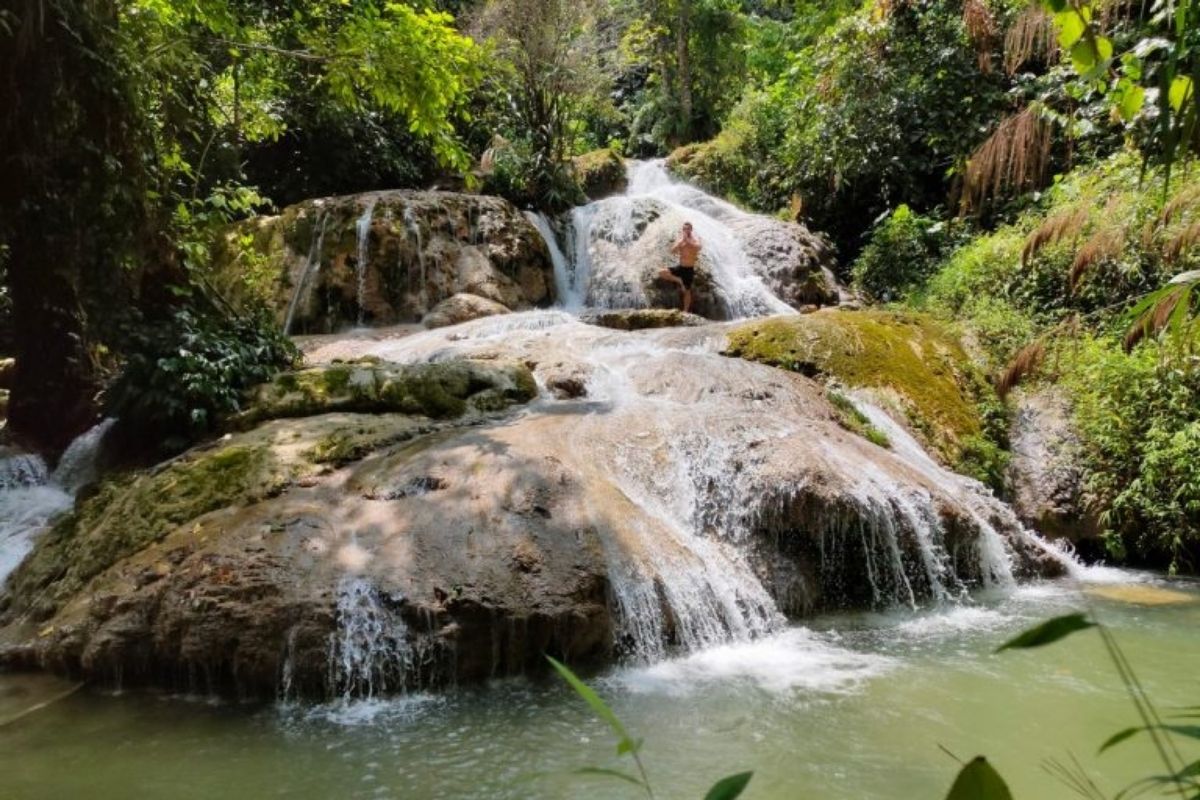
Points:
point(1157, 314)
point(1061, 225)
point(1103, 245)
point(1116, 11)
point(1016, 157)
point(1031, 37)
point(981, 30)
point(1027, 359)
point(1181, 242)
point(1184, 200)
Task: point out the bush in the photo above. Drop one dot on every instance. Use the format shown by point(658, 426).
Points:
point(901, 253)
point(527, 179)
point(182, 375)
point(1140, 418)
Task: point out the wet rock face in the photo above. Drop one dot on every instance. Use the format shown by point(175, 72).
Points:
point(462, 308)
point(630, 241)
point(1044, 473)
point(636, 319)
point(384, 258)
point(661, 497)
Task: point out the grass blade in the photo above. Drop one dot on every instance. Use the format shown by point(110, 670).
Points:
point(730, 787)
point(1048, 632)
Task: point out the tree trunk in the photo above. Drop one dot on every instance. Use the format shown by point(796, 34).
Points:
point(71, 206)
point(683, 34)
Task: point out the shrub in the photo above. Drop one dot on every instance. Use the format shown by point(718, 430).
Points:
point(182, 375)
point(1140, 418)
point(901, 254)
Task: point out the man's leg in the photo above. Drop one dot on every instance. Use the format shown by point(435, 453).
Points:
point(687, 299)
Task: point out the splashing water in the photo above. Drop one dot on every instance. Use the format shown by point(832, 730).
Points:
point(31, 497)
point(369, 653)
point(613, 253)
point(562, 270)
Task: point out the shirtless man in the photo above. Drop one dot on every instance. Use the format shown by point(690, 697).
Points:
point(687, 249)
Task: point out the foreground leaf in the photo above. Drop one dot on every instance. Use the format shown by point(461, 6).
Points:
point(626, 744)
point(1048, 632)
point(609, 773)
point(730, 787)
point(978, 781)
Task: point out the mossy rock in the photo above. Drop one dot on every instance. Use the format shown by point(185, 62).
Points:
point(439, 391)
point(908, 357)
point(129, 513)
point(637, 319)
point(600, 173)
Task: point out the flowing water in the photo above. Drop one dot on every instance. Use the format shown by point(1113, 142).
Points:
point(850, 706)
point(705, 451)
point(31, 495)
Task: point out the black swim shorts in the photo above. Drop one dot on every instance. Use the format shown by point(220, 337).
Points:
point(685, 274)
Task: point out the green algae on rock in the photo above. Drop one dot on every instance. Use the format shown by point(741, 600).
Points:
point(600, 172)
point(637, 319)
point(437, 390)
point(905, 358)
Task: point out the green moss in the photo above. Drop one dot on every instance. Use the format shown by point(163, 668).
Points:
point(908, 355)
point(853, 420)
point(335, 379)
point(600, 172)
point(347, 445)
point(128, 514)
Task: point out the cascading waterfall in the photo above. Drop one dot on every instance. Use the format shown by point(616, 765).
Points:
point(308, 271)
point(362, 231)
point(414, 231)
point(619, 222)
point(562, 270)
point(369, 653)
point(692, 577)
point(31, 496)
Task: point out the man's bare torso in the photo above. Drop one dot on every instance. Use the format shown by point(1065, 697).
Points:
point(687, 249)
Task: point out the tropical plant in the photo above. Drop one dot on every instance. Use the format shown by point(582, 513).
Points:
point(727, 788)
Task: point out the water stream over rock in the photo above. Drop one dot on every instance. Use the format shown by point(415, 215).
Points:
point(657, 497)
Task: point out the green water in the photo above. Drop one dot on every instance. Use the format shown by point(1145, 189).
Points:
point(847, 707)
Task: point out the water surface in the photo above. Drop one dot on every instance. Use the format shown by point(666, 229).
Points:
point(847, 706)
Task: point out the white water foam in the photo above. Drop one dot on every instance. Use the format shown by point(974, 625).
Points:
point(620, 222)
point(795, 660)
point(31, 498)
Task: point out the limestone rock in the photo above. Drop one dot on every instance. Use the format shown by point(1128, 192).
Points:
point(1045, 474)
point(461, 308)
point(383, 258)
point(636, 319)
point(600, 173)
point(439, 391)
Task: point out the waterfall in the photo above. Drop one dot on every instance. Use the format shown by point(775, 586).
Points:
point(362, 230)
point(614, 255)
point(564, 288)
point(414, 230)
point(31, 497)
point(308, 271)
point(369, 654)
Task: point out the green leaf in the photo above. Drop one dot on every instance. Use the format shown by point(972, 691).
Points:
point(1118, 737)
point(627, 744)
point(978, 781)
point(1071, 26)
point(1181, 92)
point(1083, 56)
point(609, 773)
point(730, 787)
point(1048, 632)
point(1132, 99)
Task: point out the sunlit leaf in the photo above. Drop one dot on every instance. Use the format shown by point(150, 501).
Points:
point(626, 744)
point(730, 787)
point(1071, 26)
point(979, 781)
point(1181, 92)
point(1048, 632)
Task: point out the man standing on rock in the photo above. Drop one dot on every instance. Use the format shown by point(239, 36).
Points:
point(687, 250)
